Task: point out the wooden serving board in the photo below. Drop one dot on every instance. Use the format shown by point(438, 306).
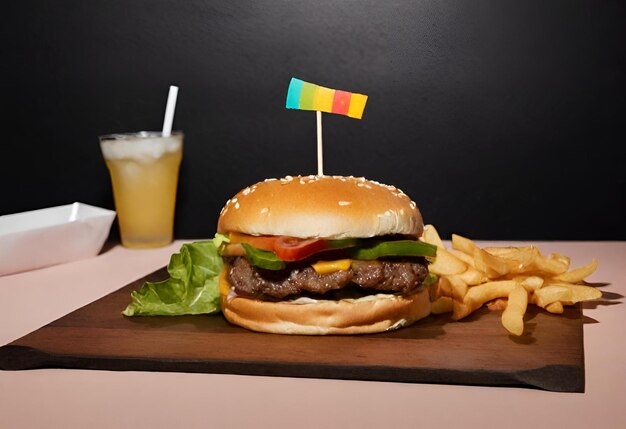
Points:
point(475, 351)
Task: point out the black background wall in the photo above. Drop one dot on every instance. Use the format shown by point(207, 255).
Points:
point(502, 119)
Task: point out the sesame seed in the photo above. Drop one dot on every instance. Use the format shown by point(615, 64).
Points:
point(264, 210)
point(344, 203)
point(237, 205)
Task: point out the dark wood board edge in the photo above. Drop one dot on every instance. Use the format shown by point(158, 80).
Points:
point(547, 378)
point(558, 378)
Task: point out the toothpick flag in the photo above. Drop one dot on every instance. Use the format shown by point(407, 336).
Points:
point(308, 96)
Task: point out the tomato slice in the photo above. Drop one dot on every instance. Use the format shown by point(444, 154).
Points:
point(263, 242)
point(295, 249)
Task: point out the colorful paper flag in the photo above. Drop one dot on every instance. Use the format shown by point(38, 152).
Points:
point(308, 96)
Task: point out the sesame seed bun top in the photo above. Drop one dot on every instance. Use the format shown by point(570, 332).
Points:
point(321, 207)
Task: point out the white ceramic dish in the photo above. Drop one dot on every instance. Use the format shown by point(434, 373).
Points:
point(51, 236)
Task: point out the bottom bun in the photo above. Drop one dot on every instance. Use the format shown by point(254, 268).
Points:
point(368, 315)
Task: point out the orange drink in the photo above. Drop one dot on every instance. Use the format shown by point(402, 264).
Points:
point(144, 173)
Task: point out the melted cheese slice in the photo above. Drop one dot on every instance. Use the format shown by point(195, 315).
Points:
point(326, 267)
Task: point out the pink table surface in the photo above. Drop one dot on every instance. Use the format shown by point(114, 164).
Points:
point(81, 398)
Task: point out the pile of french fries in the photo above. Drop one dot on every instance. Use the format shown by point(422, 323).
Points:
point(503, 278)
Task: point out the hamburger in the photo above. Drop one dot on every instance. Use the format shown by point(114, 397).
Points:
point(316, 255)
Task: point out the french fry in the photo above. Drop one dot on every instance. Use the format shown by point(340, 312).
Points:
point(458, 286)
point(547, 266)
point(446, 264)
point(463, 244)
point(555, 307)
point(440, 288)
point(512, 252)
point(441, 305)
point(463, 257)
point(505, 278)
point(578, 274)
point(503, 251)
point(513, 314)
point(491, 265)
point(431, 236)
point(528, 260)
point(566, 293)
point(460, 310)
point(561, 258)
point(478, 295)
point(443, 287)
point(549, 294)
point(530, 283)
point(518, 259)
point(498, 304)
point(580, 293)
point(472, 276)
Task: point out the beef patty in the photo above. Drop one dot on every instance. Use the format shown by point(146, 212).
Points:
point(384, 275)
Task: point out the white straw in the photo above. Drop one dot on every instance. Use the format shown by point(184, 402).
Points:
point(320, 152)
point(169, 111)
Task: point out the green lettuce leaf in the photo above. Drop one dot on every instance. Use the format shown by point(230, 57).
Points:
point(220, 240)
point(192, 287)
